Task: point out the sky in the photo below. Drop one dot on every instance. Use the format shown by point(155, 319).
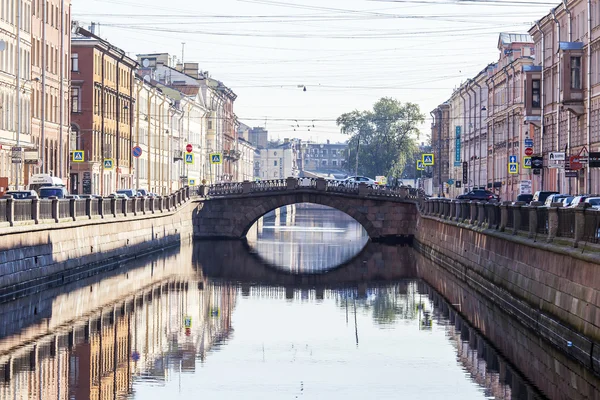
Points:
point(347, 53)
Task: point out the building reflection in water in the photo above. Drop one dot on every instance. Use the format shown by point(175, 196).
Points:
point(304, 238)
point(152, 323)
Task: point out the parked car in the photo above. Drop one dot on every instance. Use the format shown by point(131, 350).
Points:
point(541, 196)
point(594, 201)
point(578, 199)
point(478, 194)
point(525, 197)
point(57, 191)
point(554, 198)
point(22, 194)
point(358, 179)
point(90, 196)
point(119, 195)
point(127, 192)
point(142, 192)
point(567, 201)
point(73, 196)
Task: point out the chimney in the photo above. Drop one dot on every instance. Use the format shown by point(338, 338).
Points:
point(327, 141)
point(93, 28)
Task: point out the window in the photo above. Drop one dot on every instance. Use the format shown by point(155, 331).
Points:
point(576, 72)
point(275, 163)
point(75, 62)
point(535, 93)
point(210, 125)
point(324, 162)
point(75, 100)
point(334, 163)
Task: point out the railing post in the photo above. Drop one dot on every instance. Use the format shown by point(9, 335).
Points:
point(161, 204)
point(403, 192)
point(134, 205)
point(88, 208)
point(533, 218)
point(436, 207)
point(246, 187)
point(579, 223)
point(490, 213)
point(10, 210)
point(458, 210)
point(113, 206)
point(35, 210)
point(504, 215)
point(480, 213)
point(321, 185)
point(72, 211)
point(473, 206)
point(292, 183)
point(466, 211)
point(517, 209)
point(451, 210)
point(101, 207)
point(187, 192)
point(55, 213)
point(151, 201)
point(552, 223)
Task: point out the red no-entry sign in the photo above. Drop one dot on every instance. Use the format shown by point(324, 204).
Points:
point(189, 148)
point(528, 151)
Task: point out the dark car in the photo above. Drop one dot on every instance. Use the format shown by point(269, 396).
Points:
point(478, 194)
point(56, 191)
point(525, 197)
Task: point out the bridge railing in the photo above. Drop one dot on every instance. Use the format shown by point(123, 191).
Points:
point(54, 210)
point(316, 184)
point(578, 225)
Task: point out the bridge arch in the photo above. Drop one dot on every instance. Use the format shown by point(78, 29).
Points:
point(233, 216)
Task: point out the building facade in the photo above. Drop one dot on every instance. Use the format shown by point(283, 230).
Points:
point(15, 92)
point(102, 102)
point(51, 63)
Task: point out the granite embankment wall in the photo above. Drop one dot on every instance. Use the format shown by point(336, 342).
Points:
point(550, 288)
point(37, 257)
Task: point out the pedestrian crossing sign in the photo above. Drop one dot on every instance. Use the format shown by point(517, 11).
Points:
point(216, 158)
point(191, 182)
point(526, 162)
point(189, 158)
point(427, 159)
point(420, 166)
point(513, 168)
point(77, 156)
point(109, 163)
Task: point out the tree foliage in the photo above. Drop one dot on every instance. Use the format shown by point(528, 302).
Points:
point(385, 137)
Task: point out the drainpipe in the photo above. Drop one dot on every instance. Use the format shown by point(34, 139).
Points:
point(570, 38)
point(149, 113)
point(181, 138)
point(479, 108)
point(62, 93)
point(160, 160)
point(18, 94)
point(508, 122)
point(464, 131)
point(516, 114)
point(475, 130)
point(137, 134)
point(102, 139)
point(558, 89)
point(490, 108)
point(433, 118)
point(42, 145)
point(589, 93)
point(542, 94)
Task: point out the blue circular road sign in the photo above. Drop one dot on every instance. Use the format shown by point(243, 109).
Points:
point(137, 151)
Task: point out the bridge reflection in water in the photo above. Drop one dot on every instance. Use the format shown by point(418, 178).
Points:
point(145, 331)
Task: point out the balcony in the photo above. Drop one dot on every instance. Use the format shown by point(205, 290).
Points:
point(533, 97)
point(571, 79)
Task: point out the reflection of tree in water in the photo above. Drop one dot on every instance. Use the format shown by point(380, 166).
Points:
point(387, 304)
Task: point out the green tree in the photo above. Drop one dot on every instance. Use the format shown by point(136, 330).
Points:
point(384, 137)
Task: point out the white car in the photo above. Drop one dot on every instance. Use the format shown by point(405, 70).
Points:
point(594, 201)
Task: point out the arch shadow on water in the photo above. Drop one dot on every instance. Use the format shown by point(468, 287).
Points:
point(233, 261)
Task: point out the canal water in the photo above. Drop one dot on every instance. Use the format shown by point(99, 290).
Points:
point(267, 319)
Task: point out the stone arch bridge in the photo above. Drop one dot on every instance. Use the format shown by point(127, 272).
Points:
point(229, 210)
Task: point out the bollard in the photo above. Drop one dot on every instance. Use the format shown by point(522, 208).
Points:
point(246, 187)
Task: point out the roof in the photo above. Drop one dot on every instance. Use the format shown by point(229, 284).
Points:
point(509, 38)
